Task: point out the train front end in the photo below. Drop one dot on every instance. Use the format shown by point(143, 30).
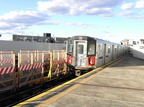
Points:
point(81, 54)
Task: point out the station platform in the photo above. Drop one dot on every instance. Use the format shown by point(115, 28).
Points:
point(119, 84)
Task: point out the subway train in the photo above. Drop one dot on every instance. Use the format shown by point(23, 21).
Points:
point(85, 53)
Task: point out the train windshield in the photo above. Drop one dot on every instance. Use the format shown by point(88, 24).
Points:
point(91, 49)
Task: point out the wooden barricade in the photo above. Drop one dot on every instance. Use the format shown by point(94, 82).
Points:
point(7, 70)
point(55, 65)
point(33, 67)
point(38, 66)
point(62, 61)
point(58, 62)
point(47, 64)
point(25, 65)
point(30, 67)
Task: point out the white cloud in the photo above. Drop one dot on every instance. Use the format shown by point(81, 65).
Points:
point(127, 6)
point(128, 14)
point(13, 20)
point(81, 25)
point(133, 10)
point(23, 17)
point(77, 7)
point(4, 25)
point(139, 4)
point(100, 11)
point(132, 15)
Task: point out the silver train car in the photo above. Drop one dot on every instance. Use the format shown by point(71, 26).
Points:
point(85, 53)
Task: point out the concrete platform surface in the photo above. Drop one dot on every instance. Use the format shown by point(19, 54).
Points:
point(118, 85)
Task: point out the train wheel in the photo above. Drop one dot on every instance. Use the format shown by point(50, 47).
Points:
point(77, 73)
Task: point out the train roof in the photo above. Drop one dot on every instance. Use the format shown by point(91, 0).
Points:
point(92, 38)
point(107, 42)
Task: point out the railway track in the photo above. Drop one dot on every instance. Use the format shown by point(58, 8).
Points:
point(26, 93)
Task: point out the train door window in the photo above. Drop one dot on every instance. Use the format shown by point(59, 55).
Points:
point(109, 49)
point(80, 49)
point(70, 48)
point(91, 49)
point(99, 48)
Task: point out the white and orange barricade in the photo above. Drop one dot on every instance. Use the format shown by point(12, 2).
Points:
point(55, 65)
point(62, 61)
point(58, 62)
point(47, 64)
point(7, 70)
point(25, 65)
point(31, 67)
point(38, 66)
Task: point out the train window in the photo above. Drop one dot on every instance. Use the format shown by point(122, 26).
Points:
point(80, 49)
point(91, 49)
point(70, 48)
point(99, 49)
point(115, 49)
point(109, 49)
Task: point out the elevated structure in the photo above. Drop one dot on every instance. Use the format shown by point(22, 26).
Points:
point(27, 38)
point(125, 42)
point(137, 51)
point(45, 38)
point(141, 41)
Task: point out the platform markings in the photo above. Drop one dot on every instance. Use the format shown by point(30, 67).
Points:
point(56, 97)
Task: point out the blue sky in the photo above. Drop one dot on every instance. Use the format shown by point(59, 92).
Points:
point(112, 20)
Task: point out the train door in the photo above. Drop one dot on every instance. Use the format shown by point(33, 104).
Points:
point(114, 52)
point(105, 53)
point(108, 56)
point(118, 51)
point(81, 52)
point(101, 53)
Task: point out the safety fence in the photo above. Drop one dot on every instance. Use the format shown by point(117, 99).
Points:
point(7, 70)
point(58, 62)
point(30, 64)
point(30, 67)
point(7, 62)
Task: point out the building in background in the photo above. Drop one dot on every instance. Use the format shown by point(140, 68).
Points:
point(128, 42)
point(45, 38)
point(125, 42)
point(60, 39)
point(141, 41)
